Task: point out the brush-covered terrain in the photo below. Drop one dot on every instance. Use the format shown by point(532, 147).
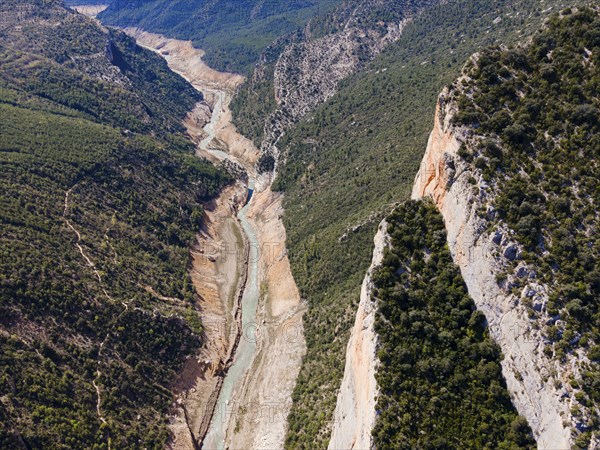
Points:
point(344, 164)
point(101, 198)
point(299, 72)
point(232, 32)
point(440, 378)
point(534, 111)
point(539, 109)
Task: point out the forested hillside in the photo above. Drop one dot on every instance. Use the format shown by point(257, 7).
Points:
point(360, 152)
point(440, 378)
point(303, 70)
point(232, 32)
point(97, 311)
point(536, 112)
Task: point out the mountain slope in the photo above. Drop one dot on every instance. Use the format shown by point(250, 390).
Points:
point(68, 59)
point(513, 167)
point(96, 307)
point(301, 71)
point(359, 152)
point(232, 32)
point(439, 380)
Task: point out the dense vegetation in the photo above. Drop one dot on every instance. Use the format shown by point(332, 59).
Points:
point(255, 101)
point(97, 311)
point(105, 77)
point(537, 109)
point(359, 152)
point(440, 379)
point(232, 32)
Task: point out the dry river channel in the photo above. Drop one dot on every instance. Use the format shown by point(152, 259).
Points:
point(236, 392)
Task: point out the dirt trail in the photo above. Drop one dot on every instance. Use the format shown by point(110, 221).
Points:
point(92, 266)
point(89, 262)
point(257, 414)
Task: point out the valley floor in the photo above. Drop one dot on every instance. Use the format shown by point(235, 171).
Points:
point(256, 414)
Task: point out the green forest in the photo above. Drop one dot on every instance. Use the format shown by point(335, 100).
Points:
point(440, 379)
point(360, 152)
point(232, 32)
point(97, 214)
point(537, 110)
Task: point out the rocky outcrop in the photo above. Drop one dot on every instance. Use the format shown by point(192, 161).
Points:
point(307, 67)
point(489, 260)
point(44, 31)
point(355, 415)
point(308, 72)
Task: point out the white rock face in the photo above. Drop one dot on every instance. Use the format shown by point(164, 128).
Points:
point(308, 69)
point(354, 415)
point(538, 384)
point(308, 72)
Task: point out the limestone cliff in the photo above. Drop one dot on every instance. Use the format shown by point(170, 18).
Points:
point(354, 415)
point(539, 384)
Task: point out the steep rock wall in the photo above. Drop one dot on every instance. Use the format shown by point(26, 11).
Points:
point(354, 415)
point(538, 384)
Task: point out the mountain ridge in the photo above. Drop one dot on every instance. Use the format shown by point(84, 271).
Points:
point(232, 32)
point(509, 250)
point(97, 310)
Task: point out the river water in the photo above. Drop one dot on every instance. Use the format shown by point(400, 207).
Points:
point(224, 409)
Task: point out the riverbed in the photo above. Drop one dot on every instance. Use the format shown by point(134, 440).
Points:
point(251, 397)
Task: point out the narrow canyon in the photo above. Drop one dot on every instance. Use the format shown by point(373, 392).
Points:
point(237, 391)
